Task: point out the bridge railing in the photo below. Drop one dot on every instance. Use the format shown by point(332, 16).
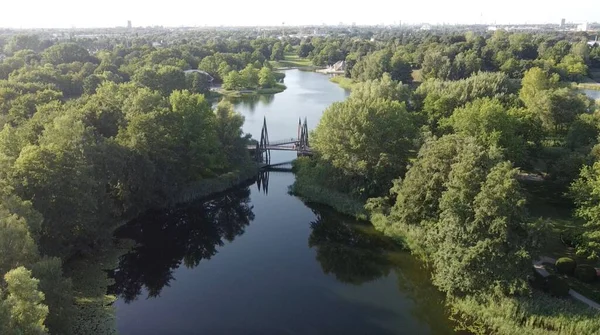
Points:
point(281, 142)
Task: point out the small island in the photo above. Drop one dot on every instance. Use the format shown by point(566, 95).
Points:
point(252, 81)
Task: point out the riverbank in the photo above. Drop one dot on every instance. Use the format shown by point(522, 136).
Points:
point(209, 187)
point(343, 82)
point(308, 187)
point(93, 307)
point(536, 313)
point(242, 93)
point(588, 86)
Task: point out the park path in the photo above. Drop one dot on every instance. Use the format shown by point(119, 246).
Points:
point(539, 267)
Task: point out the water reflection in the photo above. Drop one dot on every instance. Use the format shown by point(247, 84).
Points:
point(249, 102)
point(353, 253)
point(166, 238)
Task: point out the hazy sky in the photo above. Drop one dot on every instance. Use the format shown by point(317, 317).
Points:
point(110, 13)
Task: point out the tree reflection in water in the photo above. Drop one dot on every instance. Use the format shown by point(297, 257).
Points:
point(250, 102)
point(166, 238)
point(354, 253)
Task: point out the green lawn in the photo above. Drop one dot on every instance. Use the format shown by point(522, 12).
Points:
point(293, 60)
point(344, 82)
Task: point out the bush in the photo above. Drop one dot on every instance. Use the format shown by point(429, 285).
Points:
point(565, 265)
point(585, 273)
point(556, 286)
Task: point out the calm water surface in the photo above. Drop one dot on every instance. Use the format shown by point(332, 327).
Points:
point(592, 94)
point(257, 260)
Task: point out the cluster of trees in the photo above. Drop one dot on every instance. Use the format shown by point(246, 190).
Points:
point(447, 167)
point(86, 141)
point(250, 78)
point(454, 55)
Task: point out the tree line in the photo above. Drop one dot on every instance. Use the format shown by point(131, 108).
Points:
point(89, 140)
point(446, 166)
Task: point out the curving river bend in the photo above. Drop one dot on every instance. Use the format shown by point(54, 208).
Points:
point(257, 260)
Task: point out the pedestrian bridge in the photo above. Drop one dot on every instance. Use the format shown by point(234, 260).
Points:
point(262, 149)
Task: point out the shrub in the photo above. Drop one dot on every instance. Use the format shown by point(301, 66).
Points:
point(585, 273)
point(556, 286)
point(565, 265)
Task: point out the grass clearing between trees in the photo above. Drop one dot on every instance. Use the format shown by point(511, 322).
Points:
point(291, 60)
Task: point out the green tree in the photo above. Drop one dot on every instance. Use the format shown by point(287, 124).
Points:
point(65, 53)
point(266, 78)
point(384, 88)
point(491, 124)
point(17, 243)
point(277, 52)
point(536, 81)
point(573, 67)
point(58, 295)
point(250, 76)
point(233, 81)
point(586, 195)
point(436, 65)
point(483, 238)
point(228, 127)
point(22, 42)
point(25, 303)
point(400, 69)
point(198, 83)
point(367, 139)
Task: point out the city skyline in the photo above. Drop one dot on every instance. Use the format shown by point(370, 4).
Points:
point(177, 13)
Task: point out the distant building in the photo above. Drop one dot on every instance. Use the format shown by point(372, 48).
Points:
point(582, 27)
point(129, 24)
point(337, 68)
point(425, 27)
point(562, 23)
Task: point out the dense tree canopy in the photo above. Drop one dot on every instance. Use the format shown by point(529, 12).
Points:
point(368, 139)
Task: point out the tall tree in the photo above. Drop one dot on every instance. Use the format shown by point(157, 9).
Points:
point(585, 191)
point(368, 139)
point(25, 303)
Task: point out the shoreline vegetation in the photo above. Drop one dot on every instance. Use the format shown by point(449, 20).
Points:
point(278, 88)
point(104, 135)
point(535, 314)
point(342, 81)
point(458, 180)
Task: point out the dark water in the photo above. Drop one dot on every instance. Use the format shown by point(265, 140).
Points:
point(256, 261)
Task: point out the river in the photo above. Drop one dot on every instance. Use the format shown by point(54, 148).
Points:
point(257, 260)
point(593, 94)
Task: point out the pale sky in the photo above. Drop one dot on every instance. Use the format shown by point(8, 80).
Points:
point(111, 13)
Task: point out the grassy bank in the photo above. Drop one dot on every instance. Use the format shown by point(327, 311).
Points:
point(224, 182)
point(588, 86)
point(291, 60)
point(237, 94)
point(343, 82)
point(343, 203)
point(314, 184)
point(538, 314)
